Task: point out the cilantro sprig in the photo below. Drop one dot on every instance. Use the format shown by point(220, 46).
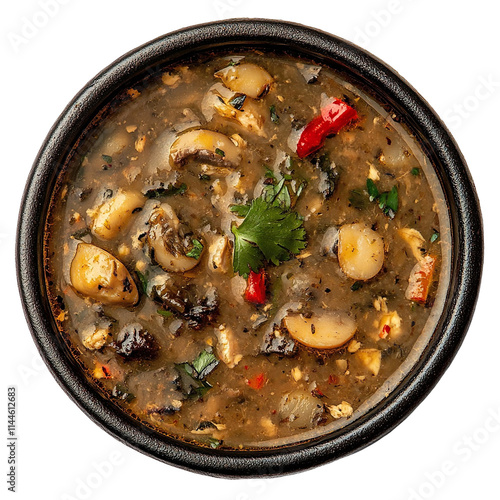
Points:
point(269, 233)
point(388, 201)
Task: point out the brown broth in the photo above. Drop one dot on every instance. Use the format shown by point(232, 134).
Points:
point(129, 149)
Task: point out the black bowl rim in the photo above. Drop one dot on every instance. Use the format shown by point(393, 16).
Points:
point(464, 212)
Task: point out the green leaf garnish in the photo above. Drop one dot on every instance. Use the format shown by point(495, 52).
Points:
point(164, 191)
point(356, 285)
point(388, 201)
point(195, 252)
point(240, 210)
point(268, 233)
point(220, 152)
point(415, 171)
point(372, 190)
point(143, 280)
point(434, 237)
point(274, 116)
point(204, 364)
point(214, 443)
point(165, 314)
point(107, 158)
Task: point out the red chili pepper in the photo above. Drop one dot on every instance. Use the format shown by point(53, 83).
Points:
point(386, 329)
point(257, 382)
point(256, 287)
point(333, 379)
point(333, 117)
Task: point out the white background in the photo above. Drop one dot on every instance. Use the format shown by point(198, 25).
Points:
point(448, 50)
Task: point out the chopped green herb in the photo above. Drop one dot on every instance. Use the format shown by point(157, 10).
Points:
point(204, 363)
point(357, 199)
point(233, 63)
point(107, 158)
point(220, 152)
point(237, 101)
point(372, 190)
point(268, 233)
point(195, 252)
point(356, 286)
point(434, 237)
point(193, 374)
point(204, 177)
point(143, 280)
point(415, 171)
point(214, 443)
point(165, 314)
point(269, 174)
point(388, 201)
point(274, 116)
point(81, 233)
point(162, 191)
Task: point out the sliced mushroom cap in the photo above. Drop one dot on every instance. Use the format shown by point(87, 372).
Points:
point(171, 241)
point(321, 331)
point(100, 276)
point(109, 218)
point(207, 146)
point(246, 78)
point(301, 409)
point(360, 251)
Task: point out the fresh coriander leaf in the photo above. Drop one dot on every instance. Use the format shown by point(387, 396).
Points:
point(107, 158)
point(415, 171)
point(195, 252)
point(268, 233)
point(357, 199)
point(240, 210)
point(165, 314)
point(392, 199)
point(274, 116)
point(220, 152)
point(372, 190)
point(301, 187)
point(269, 174)
point(204, 177)
point(143, 280)
point(204, 363)
point(434, 237)
point(233, 63)
point(237, 101)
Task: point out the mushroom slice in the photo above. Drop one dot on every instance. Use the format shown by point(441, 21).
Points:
point(173, 245)
point(220, 255)
point(301, 409)
point(100, 276)
point(360, 251)
point(247, 78)
point(322, 331)
point(109, 218)
point(207, 146)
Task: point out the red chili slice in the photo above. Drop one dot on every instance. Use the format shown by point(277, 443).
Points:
point(333, 118)
point(256, 287)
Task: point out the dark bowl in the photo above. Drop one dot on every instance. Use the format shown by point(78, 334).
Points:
point(452, 172)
